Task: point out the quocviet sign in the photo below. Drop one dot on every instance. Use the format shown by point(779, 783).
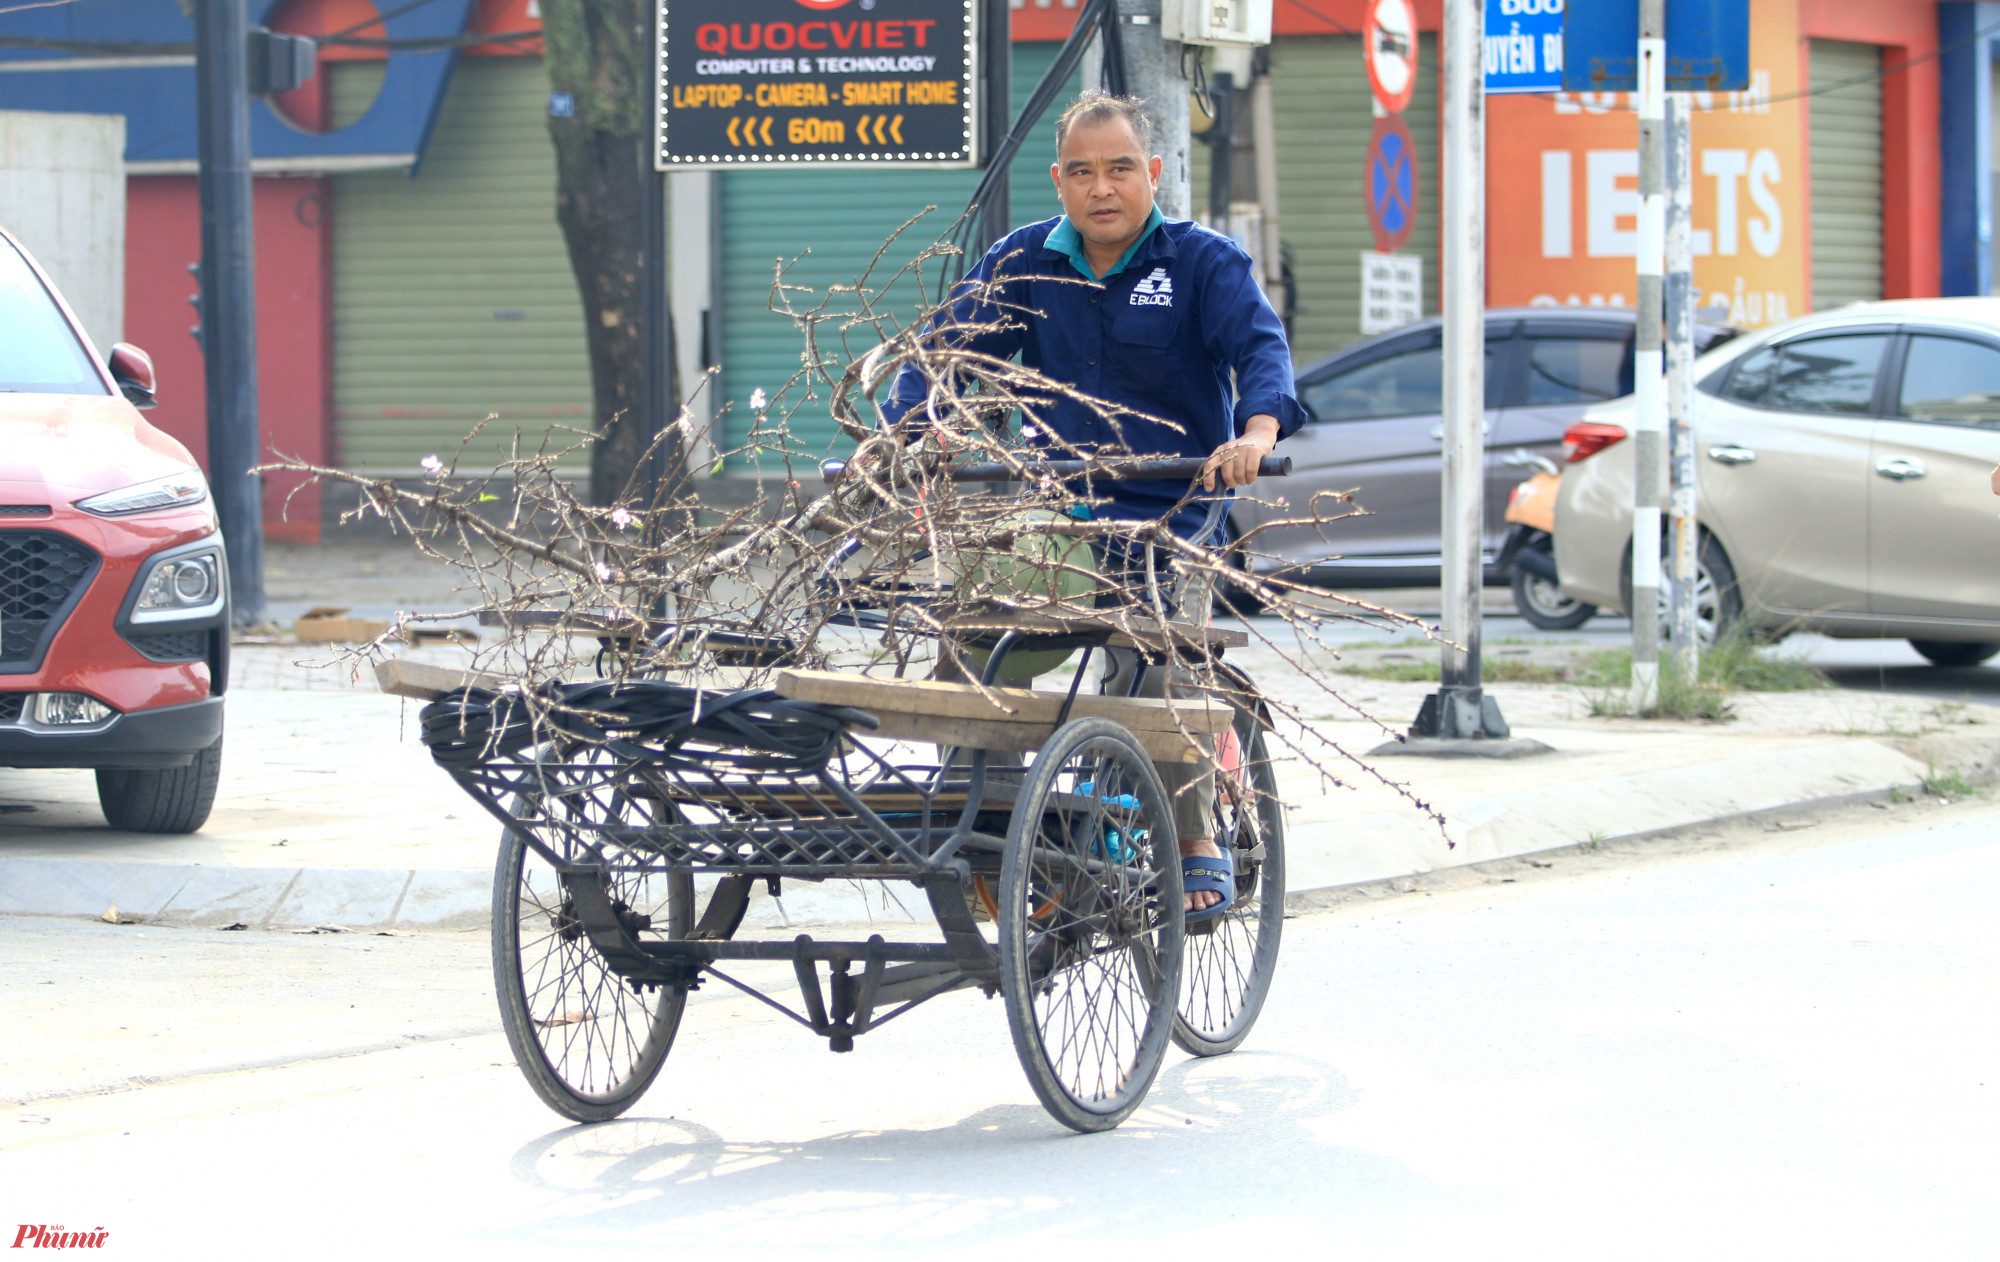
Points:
point(817, 82)
point(1524, 46)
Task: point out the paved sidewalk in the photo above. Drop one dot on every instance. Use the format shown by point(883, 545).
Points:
point(331, 812)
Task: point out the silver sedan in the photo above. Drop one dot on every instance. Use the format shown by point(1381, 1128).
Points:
point(1843, 470)
point(1376, 429)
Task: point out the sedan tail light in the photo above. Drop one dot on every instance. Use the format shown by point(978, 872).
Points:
point(1586, 438)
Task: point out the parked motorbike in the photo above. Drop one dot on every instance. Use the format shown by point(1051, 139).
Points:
point(1529, 553)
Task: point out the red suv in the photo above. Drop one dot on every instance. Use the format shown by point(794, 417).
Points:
point(114, 596)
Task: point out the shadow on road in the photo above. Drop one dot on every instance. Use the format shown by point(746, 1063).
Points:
point(1241, 1136)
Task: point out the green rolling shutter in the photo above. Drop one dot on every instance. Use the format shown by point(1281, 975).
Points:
point(1846, 174)
point(1321, 105)
point(453, 296)
point(843, 217)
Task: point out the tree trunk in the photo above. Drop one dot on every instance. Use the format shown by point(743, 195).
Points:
point(599, 57)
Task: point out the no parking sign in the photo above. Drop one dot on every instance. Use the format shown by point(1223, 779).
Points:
point(1391, 288)
point(1392, 183)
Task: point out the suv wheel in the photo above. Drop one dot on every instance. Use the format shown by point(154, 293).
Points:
point(1953, 653)
point(163, 800)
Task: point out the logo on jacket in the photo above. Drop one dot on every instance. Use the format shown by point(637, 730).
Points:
point(1156, 289)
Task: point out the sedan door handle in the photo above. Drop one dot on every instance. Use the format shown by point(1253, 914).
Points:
point(1900, 470)
point(1730, 453)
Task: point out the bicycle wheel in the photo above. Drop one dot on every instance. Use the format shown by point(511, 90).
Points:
point(1090, 924)
point(588, 1041)
point(1227, 969)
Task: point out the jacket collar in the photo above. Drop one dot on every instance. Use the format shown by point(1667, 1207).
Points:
point(1065, 242)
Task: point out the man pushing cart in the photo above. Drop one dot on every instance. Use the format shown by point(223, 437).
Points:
point(1108, 860)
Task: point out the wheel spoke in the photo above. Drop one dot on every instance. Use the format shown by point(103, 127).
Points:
point(595, 1040)
point(1226, 971)
point(1089, 989)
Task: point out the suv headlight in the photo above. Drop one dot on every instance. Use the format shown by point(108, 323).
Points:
point(183, 585)
point(176, 490)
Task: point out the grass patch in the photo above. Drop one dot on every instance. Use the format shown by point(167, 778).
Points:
point(1732, 664)
point(1947, 784)
point(1702, 700)
point(1492, 670)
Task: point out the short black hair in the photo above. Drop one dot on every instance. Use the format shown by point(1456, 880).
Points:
point(1096, 106)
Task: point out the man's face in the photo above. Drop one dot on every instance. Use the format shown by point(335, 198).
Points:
point(1106, 181)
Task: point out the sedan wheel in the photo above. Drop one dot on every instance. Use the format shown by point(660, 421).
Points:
point(1718, 605)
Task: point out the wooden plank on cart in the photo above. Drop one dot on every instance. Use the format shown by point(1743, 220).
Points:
point(1011, 719)
point(425, 682)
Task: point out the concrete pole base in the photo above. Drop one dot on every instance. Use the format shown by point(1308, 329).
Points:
point(1460, 712)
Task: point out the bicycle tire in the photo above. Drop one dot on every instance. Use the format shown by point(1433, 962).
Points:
point(1226, 972)
point(556, 992)
point(1091, 798)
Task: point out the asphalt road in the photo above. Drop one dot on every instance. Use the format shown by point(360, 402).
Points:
point(1755, 1044)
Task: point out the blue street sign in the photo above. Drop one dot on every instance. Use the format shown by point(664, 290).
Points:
point(1524, 46)
point(1708, 46)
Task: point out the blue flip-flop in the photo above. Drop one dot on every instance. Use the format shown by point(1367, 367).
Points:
point(1215, 874)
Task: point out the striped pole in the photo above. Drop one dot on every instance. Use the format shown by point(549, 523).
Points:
point(1647, 376)
point(1681, 399)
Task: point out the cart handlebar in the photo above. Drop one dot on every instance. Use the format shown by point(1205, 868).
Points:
point(1112, 470)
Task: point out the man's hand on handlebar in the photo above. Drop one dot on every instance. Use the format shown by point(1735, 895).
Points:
point(1235, 462)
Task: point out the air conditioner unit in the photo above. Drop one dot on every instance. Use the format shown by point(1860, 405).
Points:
point(1219, 23)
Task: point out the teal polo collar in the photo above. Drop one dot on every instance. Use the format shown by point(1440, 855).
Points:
point(1066, 241)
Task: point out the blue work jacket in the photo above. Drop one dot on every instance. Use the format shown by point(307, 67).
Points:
point(1158, 339)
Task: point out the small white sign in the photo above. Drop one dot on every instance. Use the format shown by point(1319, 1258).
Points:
point(1392, 291)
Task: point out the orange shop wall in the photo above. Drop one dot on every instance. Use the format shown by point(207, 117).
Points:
point(1562, 184)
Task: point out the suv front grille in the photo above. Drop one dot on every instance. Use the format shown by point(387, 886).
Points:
point(11, 704)
point(42, 575)
point(24, 510)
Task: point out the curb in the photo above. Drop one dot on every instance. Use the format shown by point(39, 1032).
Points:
point(1370, 849)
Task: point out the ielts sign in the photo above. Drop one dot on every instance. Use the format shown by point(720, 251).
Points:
point(834, 83)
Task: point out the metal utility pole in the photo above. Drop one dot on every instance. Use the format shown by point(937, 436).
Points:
point(996, 104)
point(1458, 709)
point(1264, 145)
point(1153, 74)
point(1221, 148)
point(1680, 385)
point(1649, 440)
point(228, 296)
point(666, 457)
